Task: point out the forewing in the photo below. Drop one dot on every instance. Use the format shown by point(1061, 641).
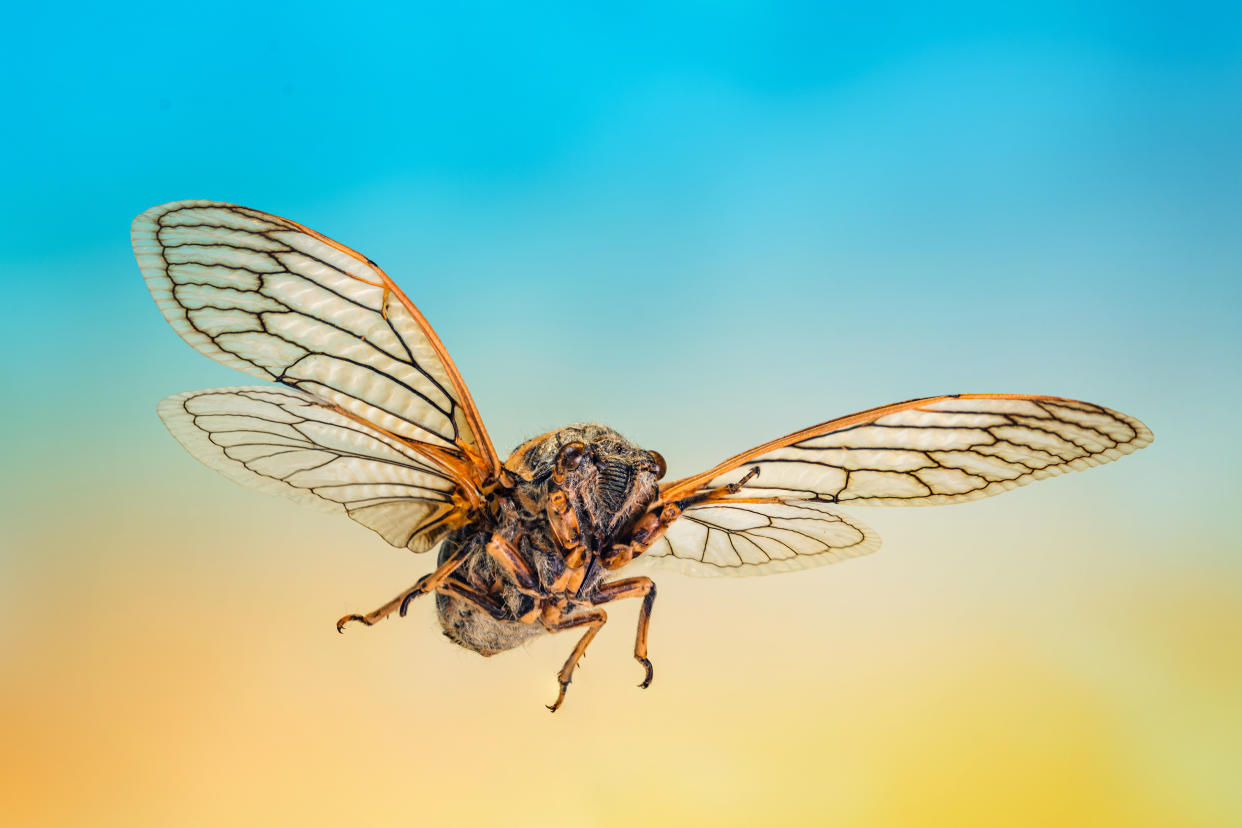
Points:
point(281, 302)
point(295, 445)
point(929, 451)
point(741, 537)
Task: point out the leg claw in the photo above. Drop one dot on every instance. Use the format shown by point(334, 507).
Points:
point(410, 596)
point(560, 697)
point(340, 625)
point(650, 672)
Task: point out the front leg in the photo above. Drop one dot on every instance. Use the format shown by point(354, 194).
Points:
point(651, 526)
point(642, 587)
point(649, 529)
point(505, 555)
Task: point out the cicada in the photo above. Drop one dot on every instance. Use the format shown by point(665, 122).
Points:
point(368, 416)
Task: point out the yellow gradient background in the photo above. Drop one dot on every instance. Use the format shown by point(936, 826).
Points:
point(1021, 662)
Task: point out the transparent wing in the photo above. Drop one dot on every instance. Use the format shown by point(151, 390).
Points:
point(295, 445)
point(740, 537)
point(929, 451)
point(281, 302)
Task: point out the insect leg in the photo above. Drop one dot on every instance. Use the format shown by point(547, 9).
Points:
point(633, 588)
point(592, 618)
point(652, 525)
point(649, 529)
point(460, 589)
point(507, 557)
point(719, 491)
point(428, 583)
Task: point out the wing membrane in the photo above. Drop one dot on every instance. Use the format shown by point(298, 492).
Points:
point(930, 451)
point(740, 537)
point(765, 510)
point(295, 445)
point(281, 302)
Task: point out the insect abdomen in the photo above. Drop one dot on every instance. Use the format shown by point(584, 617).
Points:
point(467, 624)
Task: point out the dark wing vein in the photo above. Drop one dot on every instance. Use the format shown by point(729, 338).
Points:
point(295, 445)
point(942, 450)
point(917, 453)
point(260, 294)
point(759, 538)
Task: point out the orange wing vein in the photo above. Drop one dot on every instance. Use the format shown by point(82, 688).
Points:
point(283, 302)
point(923, 452)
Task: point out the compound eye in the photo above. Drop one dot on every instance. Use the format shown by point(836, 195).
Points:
point(570, 457)
point(661, 466)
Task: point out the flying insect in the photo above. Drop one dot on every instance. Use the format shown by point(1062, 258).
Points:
point(369, 416)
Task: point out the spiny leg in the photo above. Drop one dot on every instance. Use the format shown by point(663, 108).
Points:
point(633, 588)
point(373, 616)
point(719, 491)
point(594, 618)
point(428, 583)
point(651, 526)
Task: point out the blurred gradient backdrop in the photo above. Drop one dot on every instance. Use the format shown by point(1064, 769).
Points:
point(705, 224)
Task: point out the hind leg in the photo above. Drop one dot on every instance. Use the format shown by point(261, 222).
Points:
point(428, 583)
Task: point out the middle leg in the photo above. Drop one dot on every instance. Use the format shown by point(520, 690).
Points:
point(593, 619)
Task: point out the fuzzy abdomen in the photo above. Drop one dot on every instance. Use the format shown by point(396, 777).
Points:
point(467, 625)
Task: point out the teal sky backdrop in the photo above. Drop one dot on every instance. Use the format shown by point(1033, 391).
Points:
point(766, 215)
point(705, 224)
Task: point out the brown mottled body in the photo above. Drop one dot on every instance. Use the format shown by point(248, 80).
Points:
point(575, 502)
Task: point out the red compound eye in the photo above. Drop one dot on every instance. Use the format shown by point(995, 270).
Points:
point(570, 457)
point(661, 466)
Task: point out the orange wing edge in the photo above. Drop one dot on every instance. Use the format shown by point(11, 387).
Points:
point(676, 490)
point(488, 465)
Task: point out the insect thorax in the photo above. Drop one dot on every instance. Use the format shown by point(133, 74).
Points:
point(610, 485)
